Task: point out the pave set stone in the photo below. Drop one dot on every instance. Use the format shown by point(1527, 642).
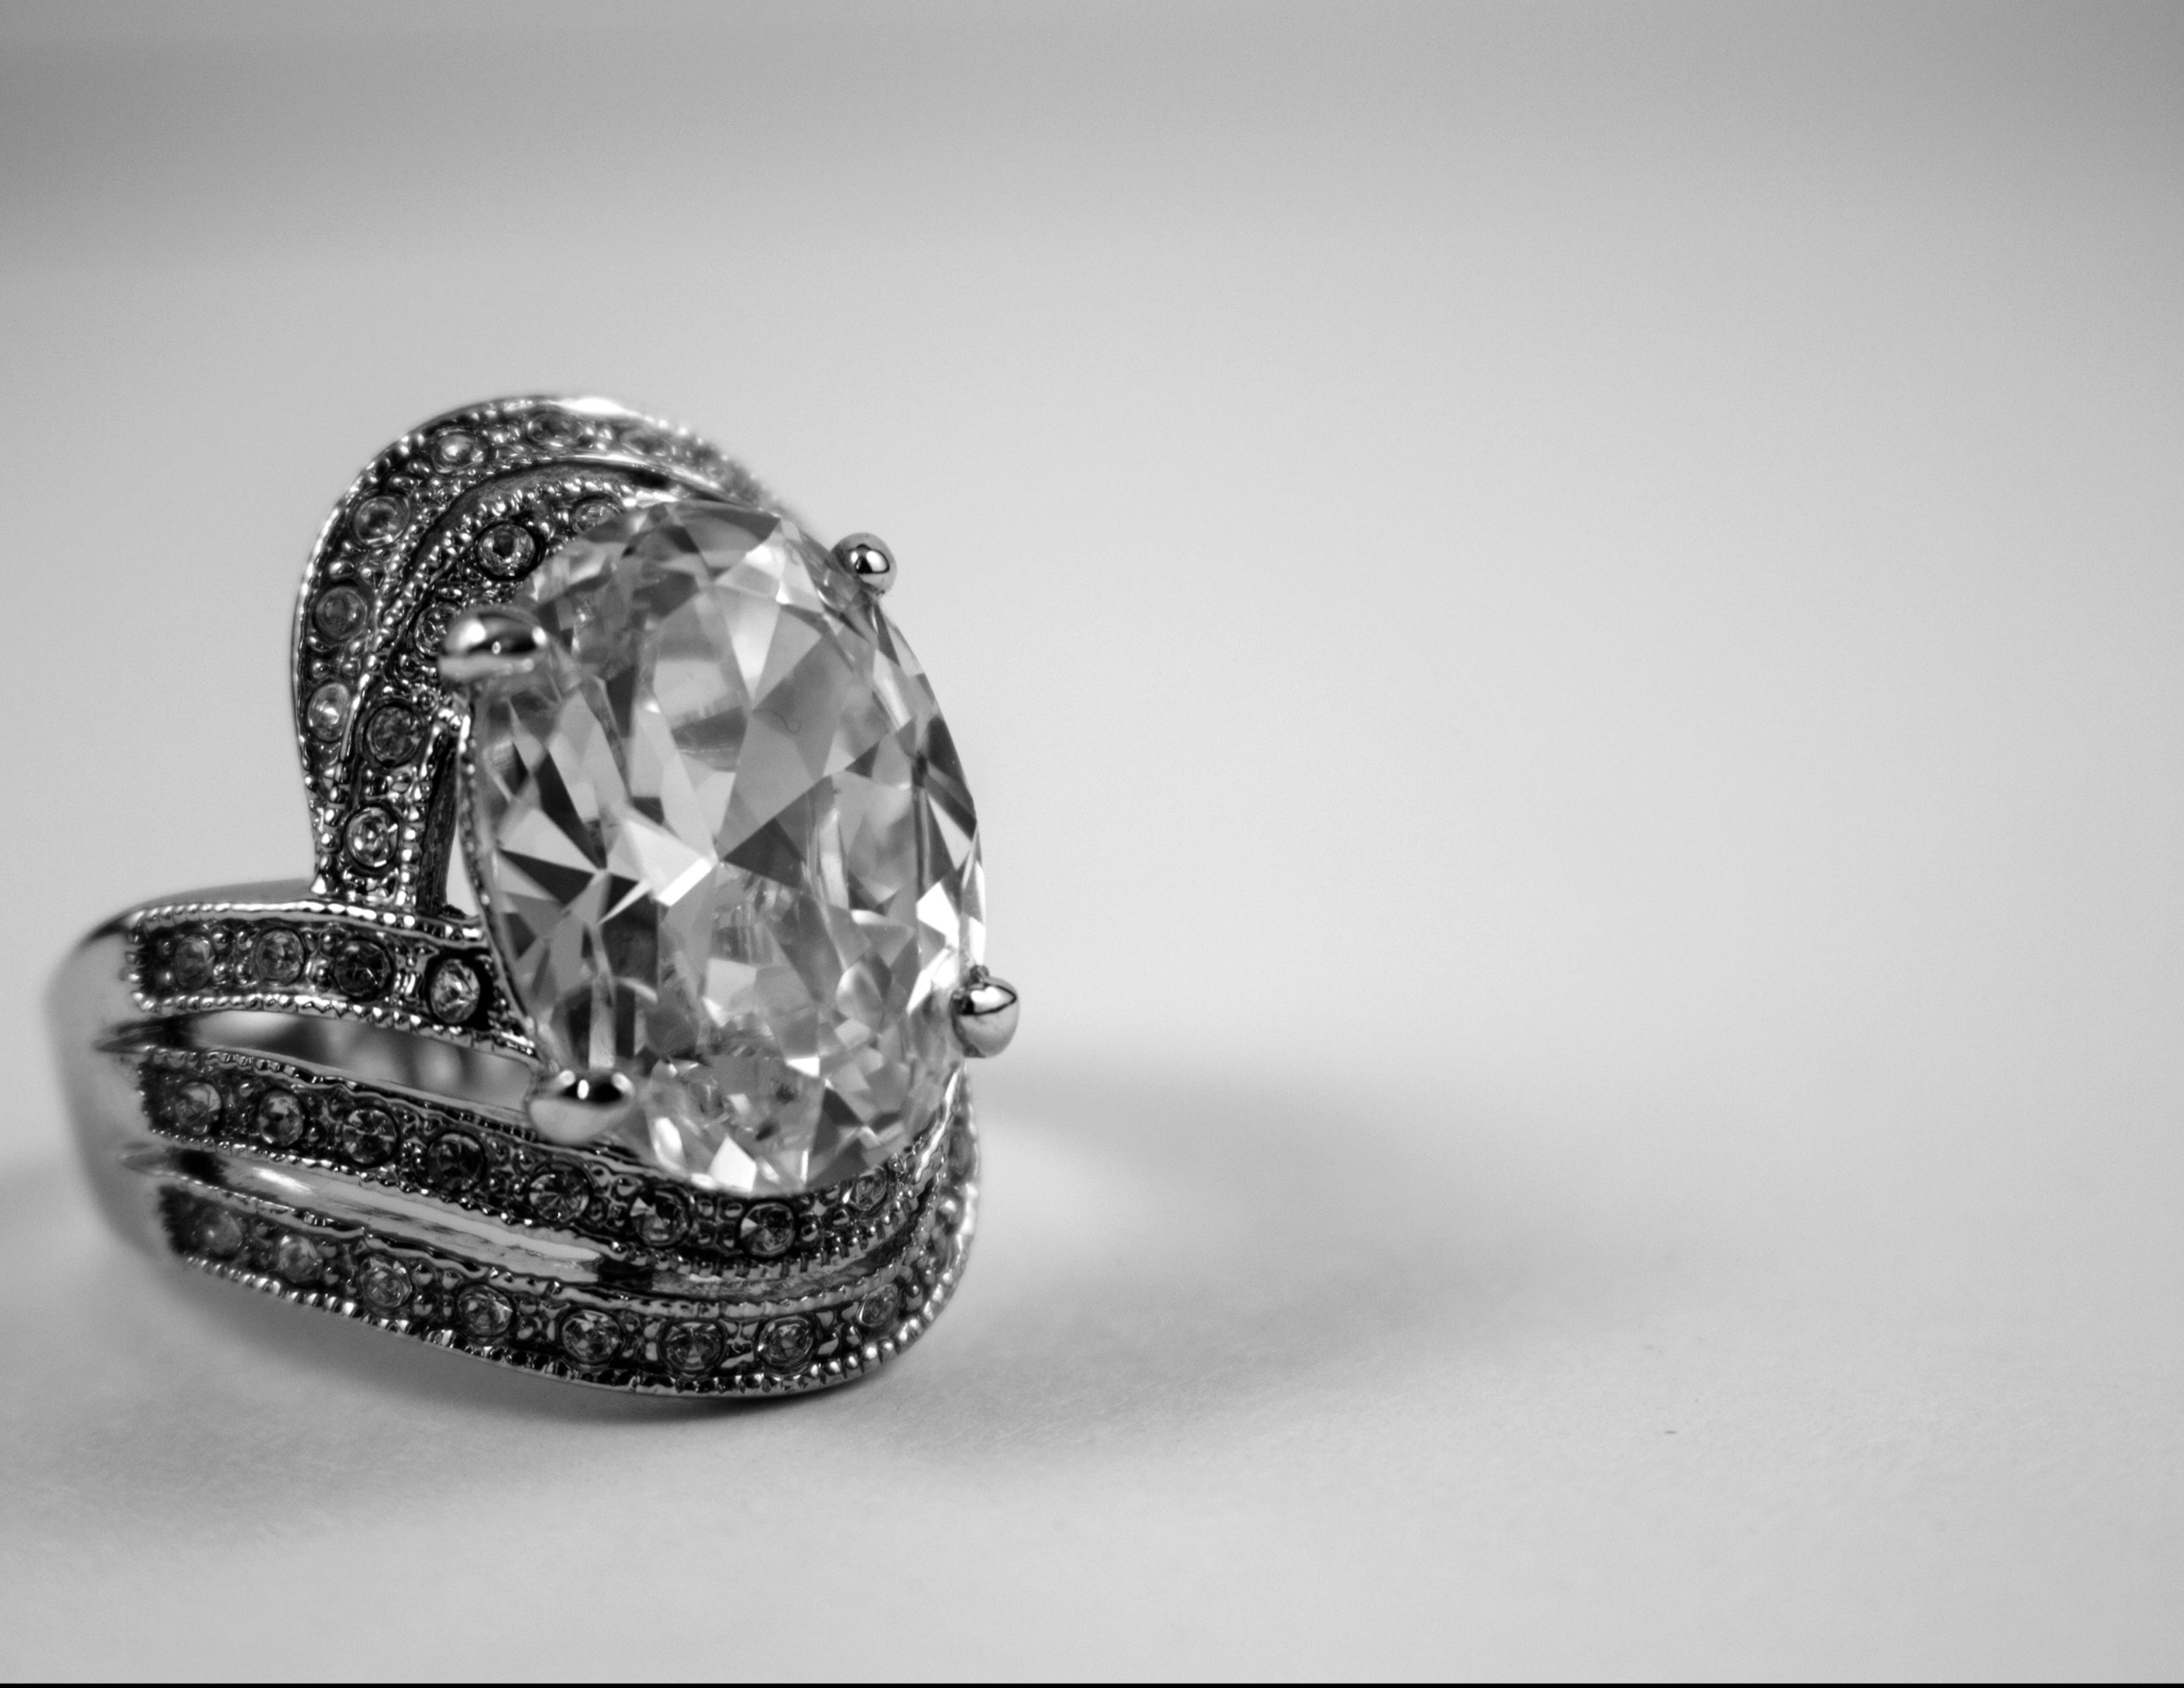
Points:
point(546, 1326)
point(264, 1107)
point(727, 849)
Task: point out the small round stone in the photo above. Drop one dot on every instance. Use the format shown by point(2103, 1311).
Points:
point(554, 431)
point(647, 443)
point(452, 993)
point(507, 550)
point(455, 1160)
point(193, 1107)
point(327, 713)
point(297, 1260)
point(691, 1348)
point(192, 961)
point(558, 1195)
point(590, 1338)
point(784, 1344)
point(279, 1118)
point(877, 1310)
point(277, 955)
point(483, 1312)
point(393, 734)
point(869, 1191)
point(361, 969)
point(340, 613)
point(592, 512)
point(220, 1233)
point(370, 837)
point(659, 1217)
point(383, 1283)
point(767, 1230)
point(370, 1137)
point(456, 449)
point(962, 1151)
point(378, 519)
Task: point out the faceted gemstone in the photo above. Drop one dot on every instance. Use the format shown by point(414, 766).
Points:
point(727, 848)
point(484, 1313)
point(453, 995)
point(691, 1347)
point(768, 1229)
point(361, 969)
point(192, 961)
point(220, 1233)
point(379, 519)
point(455, 449)
point(278, 955)
point(877, 1310)
point(506, 550)
point(369, 1137)
point(456, 1161)
point(383, 1283)
point(280, 1118)
point(659, 1217)
point(869, 1191)
point(589, 1338)
point(393, 734)
point(340, 612)
point(785, 1343)
point(296, 1259)
point(194, 1107)
point(370, 837)
point(328, 711)
point(559, 1196)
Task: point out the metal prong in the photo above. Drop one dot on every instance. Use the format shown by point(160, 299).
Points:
point(490, 639)
point(865, 558)
point(984, 1009)
point(576, 1107)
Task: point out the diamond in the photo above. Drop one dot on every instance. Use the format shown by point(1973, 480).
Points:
point(340, 612)
point(361, 969)
point(327, 713)
point(218, 1232)
point(279, 1119)
point(383, 1283)
point(193, 1107)
point(589, 1338)
point(869, 1191)
point(593, 513)
point(785, 1343)
point(369, 1137)
point(455, 1160)
point(506, 551)
point(691, 1348)
point(768, 1229)
point(192, 961)
point(370, 837)
point(558, 1195)
point(455, 449)
point(453, 995)
point(278, 956)
point(378, 520)
point(296, 1259)
point(659, 1217)
point(878, 1309)
point(393, 734)
point(484, 1313)
point(727, 848)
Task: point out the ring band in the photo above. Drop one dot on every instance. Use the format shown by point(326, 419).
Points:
point(681, 1108)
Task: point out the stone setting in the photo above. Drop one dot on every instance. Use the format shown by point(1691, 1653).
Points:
point(725, 848)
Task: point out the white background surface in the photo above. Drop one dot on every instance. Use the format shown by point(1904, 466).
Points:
point(1566, 624)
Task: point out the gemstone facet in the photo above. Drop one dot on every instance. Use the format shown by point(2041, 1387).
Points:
point(727, 849)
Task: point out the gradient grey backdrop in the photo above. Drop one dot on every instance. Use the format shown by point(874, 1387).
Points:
point(1566, 621)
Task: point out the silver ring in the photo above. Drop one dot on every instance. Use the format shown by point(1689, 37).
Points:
point(620, 1034)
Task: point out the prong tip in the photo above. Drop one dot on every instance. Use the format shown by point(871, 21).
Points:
point(577, 1107)
point(866, 560)
point(984, 1011)
point(490, 639)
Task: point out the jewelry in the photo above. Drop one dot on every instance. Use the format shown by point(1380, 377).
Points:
point(681, 1107)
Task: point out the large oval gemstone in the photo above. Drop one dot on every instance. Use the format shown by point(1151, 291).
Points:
point(725, 848)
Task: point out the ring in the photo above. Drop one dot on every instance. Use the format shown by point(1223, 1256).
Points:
point(620, 1034)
